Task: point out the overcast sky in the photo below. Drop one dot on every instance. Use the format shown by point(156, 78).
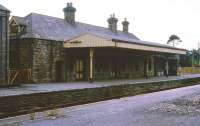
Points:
point(150, 20)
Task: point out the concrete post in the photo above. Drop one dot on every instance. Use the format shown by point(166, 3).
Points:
point(167, 68)
point(91, 65)
point(146, 68)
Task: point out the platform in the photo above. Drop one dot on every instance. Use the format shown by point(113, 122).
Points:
point(31, 98)
point(51, 87)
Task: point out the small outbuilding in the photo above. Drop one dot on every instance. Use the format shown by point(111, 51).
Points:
point(4, 45)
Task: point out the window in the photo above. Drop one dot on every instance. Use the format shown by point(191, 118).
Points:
point(1, 29)
point(136, 66)
point(149, 65)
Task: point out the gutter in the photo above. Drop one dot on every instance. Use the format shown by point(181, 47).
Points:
point(123, 41)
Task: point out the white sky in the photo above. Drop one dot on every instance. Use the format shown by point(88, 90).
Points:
point(150, 20)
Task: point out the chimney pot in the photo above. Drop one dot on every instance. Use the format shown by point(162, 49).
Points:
point(112, 23)
point(69, 13)
point(125, 24)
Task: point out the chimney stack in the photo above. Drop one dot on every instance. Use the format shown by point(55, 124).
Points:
point(69, 13)
point(125, 24)
point(112, 23)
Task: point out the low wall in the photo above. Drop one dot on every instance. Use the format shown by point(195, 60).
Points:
point(29, 103)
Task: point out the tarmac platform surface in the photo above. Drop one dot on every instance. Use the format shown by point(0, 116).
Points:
point(51, 87)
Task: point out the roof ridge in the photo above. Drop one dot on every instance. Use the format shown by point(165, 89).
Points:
point(62, 19)
point(103, 27)
point(33, 13)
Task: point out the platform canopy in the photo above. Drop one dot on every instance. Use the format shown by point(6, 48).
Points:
point(93, 40)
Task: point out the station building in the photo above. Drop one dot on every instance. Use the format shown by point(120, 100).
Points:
point(50, 49)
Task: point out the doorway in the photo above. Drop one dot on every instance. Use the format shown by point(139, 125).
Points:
point(172, 67)
point(59, 71)
point(79, 68)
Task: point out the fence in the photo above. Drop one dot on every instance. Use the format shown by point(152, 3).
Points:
point(20, 76)
point(188, 70)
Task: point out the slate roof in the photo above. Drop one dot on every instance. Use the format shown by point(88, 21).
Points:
point(53, 28)
point(20, 20)
point(3, 8)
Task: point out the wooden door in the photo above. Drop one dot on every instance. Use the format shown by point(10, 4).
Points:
point(59, 71)
point(79, 69)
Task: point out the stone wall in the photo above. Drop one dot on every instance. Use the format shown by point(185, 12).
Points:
point(38, 55)
point(45, 55)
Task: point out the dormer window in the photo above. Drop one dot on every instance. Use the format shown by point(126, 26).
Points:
point(17, 26)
